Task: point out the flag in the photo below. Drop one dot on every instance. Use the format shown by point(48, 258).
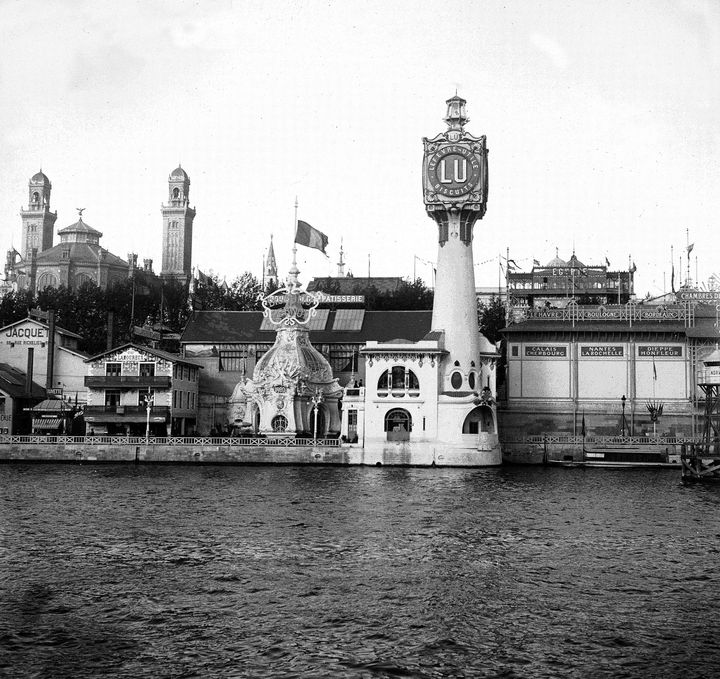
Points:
point(309, 237)
point(202, 278)
point(672, 278)
point(535, 262)
point(633, 268)
point(511, 265)
point(607, 261)
point(690, 248)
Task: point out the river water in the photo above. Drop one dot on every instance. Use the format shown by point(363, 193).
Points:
point(241, 571)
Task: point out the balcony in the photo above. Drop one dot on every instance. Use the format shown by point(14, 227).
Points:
point(127, 381)
point(126, 414)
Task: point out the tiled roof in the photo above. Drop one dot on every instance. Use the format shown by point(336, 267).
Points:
point(216, 327)
point(12, 382)
point(173, 358)
point(79, 252)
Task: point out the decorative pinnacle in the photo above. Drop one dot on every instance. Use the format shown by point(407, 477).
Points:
point(456, 116)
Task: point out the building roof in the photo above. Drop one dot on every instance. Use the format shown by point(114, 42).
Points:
point(40, 177)
point(86, 253)
point(12, 382)
point(80, 227)
point(237, 327)
point(166, 355)
point(178, 172)
point(351, 285)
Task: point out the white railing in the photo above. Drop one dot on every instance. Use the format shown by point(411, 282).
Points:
point(570, 439)
point(197, 441)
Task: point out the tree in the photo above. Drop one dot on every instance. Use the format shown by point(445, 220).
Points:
point(491, 318)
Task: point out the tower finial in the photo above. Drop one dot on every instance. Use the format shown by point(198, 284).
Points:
point(456, 117)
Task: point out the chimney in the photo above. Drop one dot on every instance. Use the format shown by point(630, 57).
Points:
point(110, 329)
point(50, 350)
point(29, 372)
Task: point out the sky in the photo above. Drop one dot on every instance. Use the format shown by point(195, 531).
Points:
point(602, 120)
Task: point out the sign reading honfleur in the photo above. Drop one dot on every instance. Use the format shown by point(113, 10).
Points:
point(605, 350)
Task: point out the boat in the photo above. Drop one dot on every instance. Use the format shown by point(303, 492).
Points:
point(623, 454)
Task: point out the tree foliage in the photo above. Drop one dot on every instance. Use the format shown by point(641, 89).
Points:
point(491, 318)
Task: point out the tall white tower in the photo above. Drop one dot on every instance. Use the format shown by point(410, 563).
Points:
point(455, 179)
point(455, 187)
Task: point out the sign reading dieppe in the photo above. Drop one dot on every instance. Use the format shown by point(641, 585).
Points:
point(658, 350)
point(541, 350)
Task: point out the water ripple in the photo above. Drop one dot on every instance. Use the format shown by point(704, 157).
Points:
point(332, 572)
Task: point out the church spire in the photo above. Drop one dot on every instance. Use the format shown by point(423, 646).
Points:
point(341, 263)
point(271, 265)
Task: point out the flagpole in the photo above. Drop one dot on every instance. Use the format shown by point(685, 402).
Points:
point(293, 269)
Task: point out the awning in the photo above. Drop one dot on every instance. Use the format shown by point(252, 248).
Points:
point(46, 422)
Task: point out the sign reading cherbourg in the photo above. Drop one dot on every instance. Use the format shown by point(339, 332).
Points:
point(544, 350)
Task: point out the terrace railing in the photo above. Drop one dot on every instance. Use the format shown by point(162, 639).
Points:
point(198, 441)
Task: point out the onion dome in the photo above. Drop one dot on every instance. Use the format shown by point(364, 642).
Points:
point(575, 262)
point(40, 178)
point(556, 261)
point(293, 358)
point(179, 173)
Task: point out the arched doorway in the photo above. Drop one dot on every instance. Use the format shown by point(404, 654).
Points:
point(480, 419)
point(398, 424)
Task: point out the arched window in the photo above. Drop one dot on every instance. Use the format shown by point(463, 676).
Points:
point(398, 424)
point(46, 280)
point(35, 197)
point(176, 193)
point(479, 419)
point(399, 382)
point(83, 278)
point(279, 423)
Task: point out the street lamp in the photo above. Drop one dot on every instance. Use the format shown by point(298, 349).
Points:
point(622, 400)
point(149, 400)
point(316, 400)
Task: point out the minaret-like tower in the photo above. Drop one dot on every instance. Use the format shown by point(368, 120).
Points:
point(37, 220)
point(341, 263)
point(455, 184)
point(270, 272)
point(178, 219)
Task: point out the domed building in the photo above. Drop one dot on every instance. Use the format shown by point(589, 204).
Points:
point(79, 257)
point(293, 392)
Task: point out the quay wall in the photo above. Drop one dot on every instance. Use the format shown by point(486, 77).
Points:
point(78, 450)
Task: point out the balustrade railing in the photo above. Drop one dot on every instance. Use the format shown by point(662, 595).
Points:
point(571, 439)
point(231, 441)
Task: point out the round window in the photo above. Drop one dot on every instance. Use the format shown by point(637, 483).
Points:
point(456, 380)
point(279, 423)
point(471, 380)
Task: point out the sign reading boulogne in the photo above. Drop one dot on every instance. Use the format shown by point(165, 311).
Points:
point(600, 351)
point(544, 350)
point(658, 350)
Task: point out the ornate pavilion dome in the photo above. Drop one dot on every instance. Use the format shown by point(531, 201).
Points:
point(292, 356)
point(40, 177)
point(179, 172)
point(556, 261)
